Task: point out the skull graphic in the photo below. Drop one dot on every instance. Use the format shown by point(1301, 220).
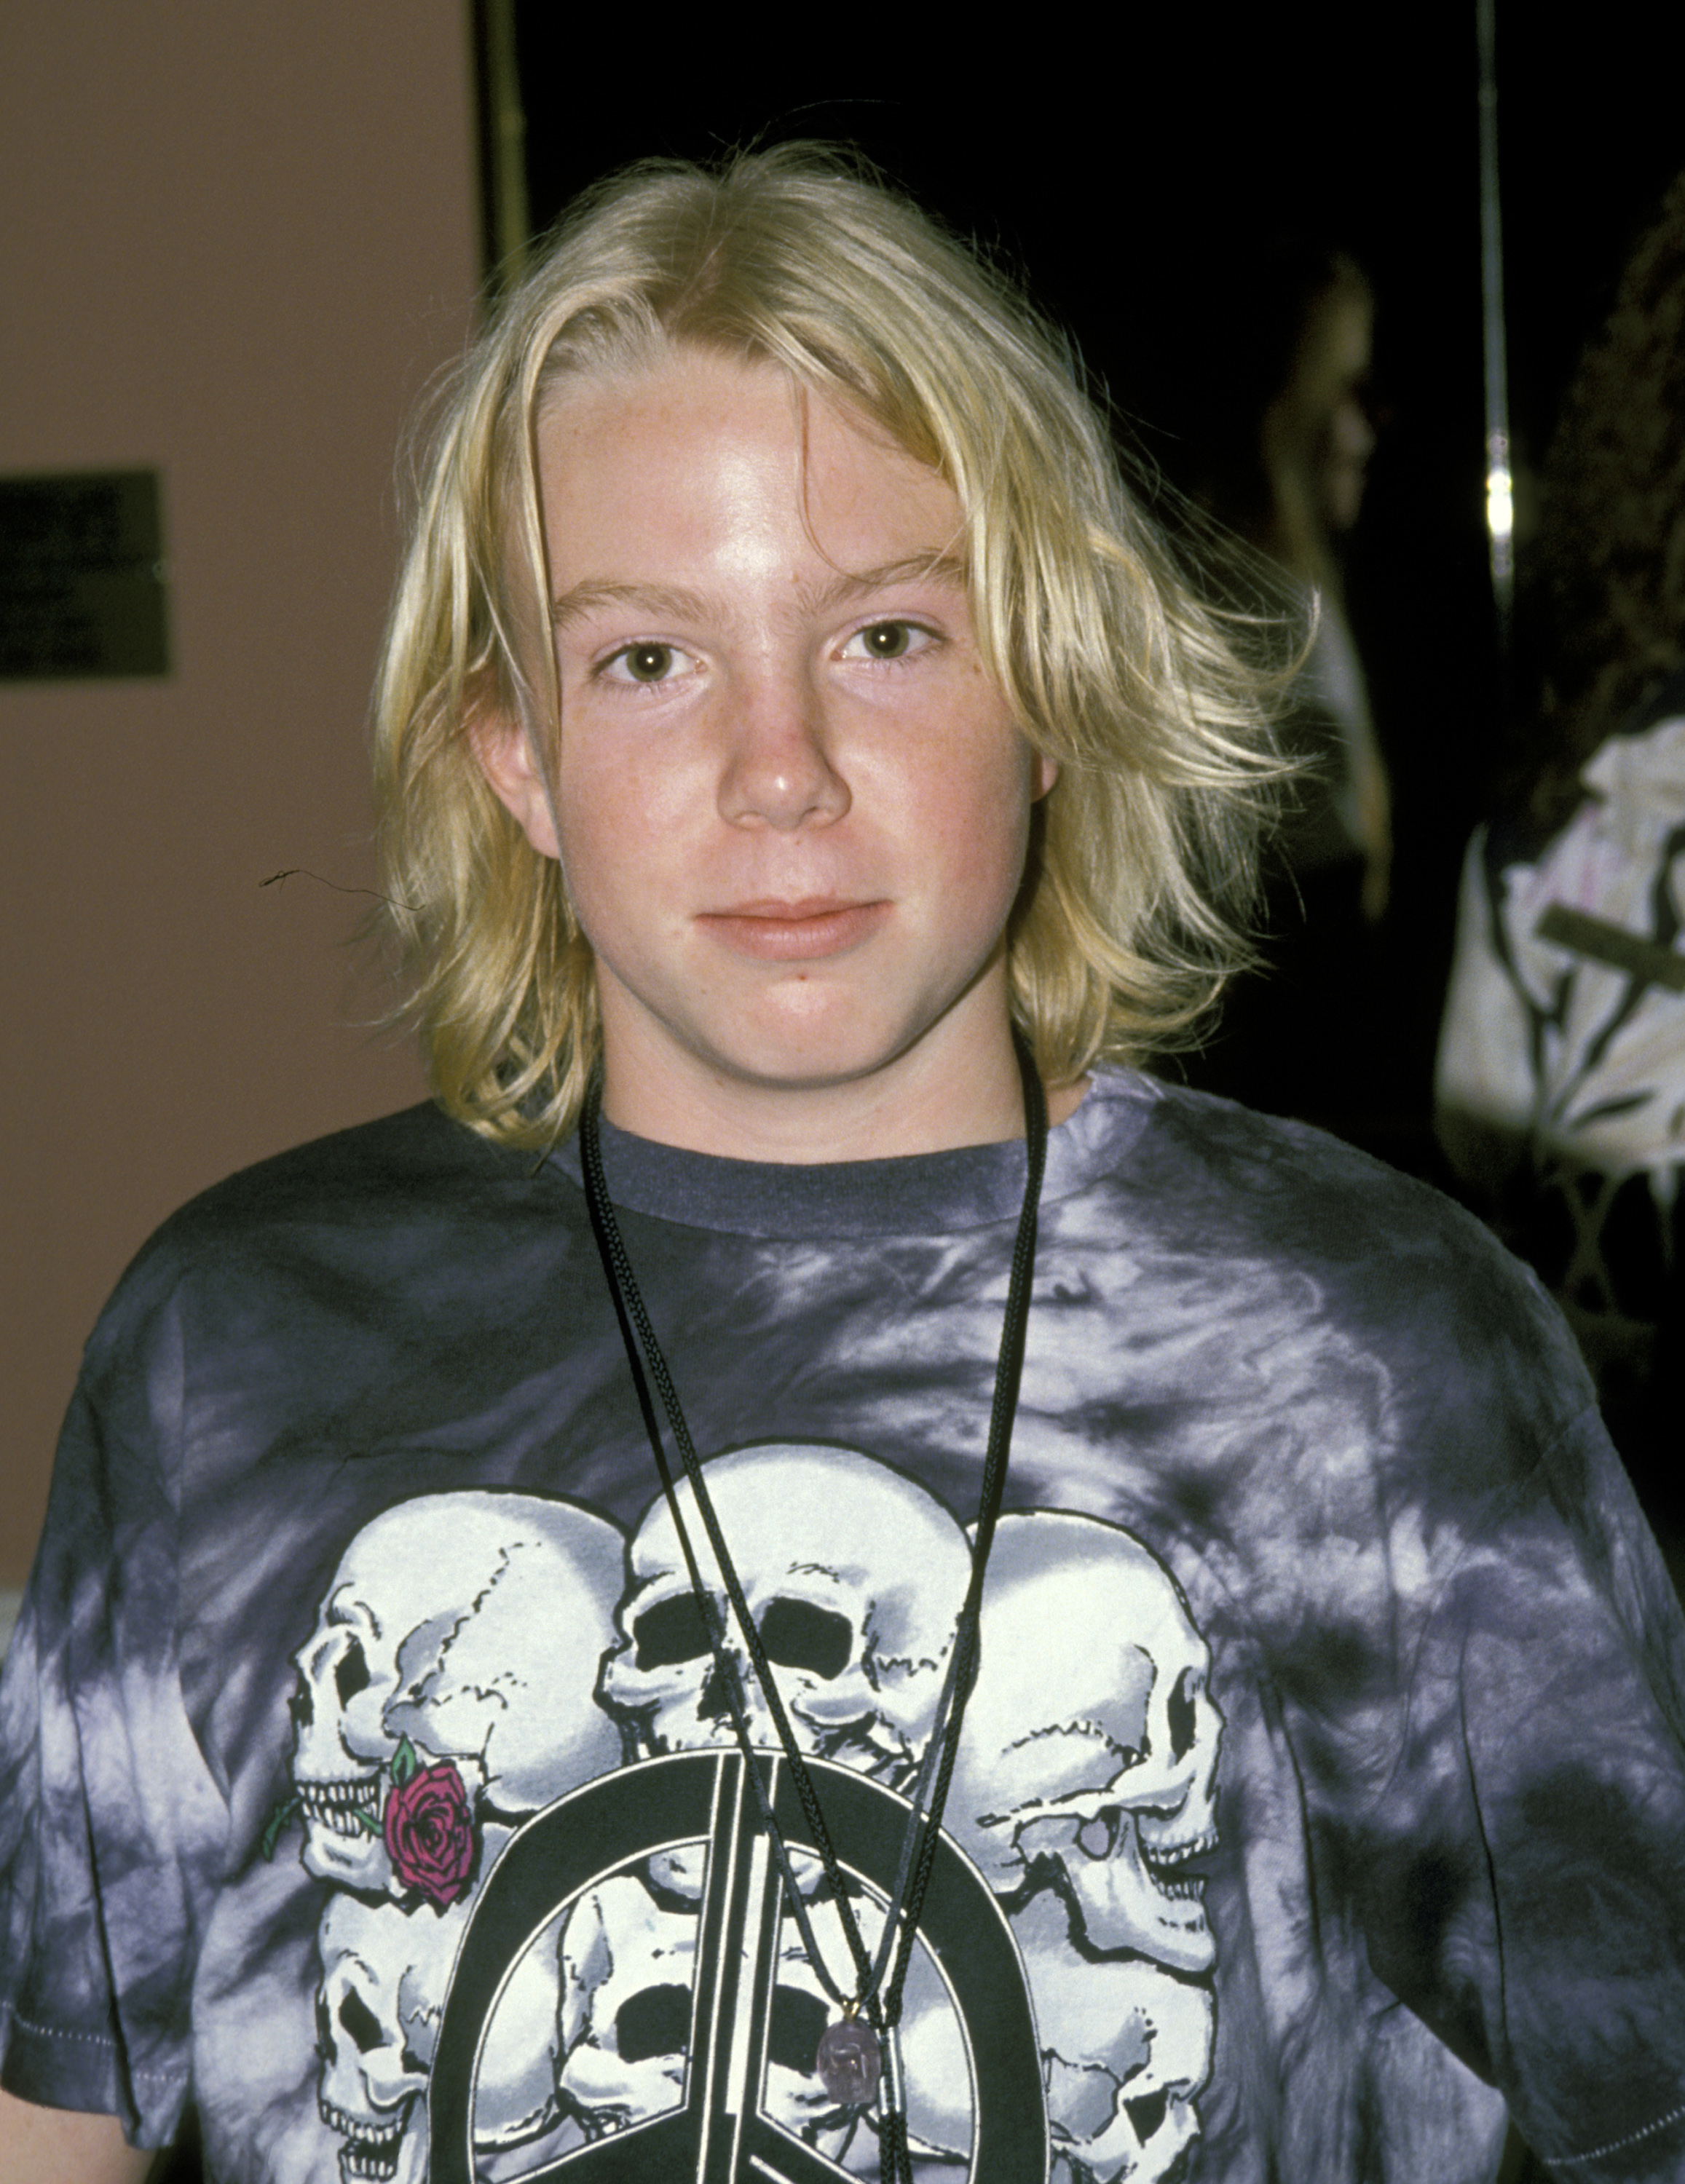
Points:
point(472, 1624)
point(385, 1972)
point(1125, 2052)
point(854, 1577)
point(629, 1967)
point(1088, 1756)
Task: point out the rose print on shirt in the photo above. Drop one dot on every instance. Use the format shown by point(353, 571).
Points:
point(429, 1830)
point(426, 1823)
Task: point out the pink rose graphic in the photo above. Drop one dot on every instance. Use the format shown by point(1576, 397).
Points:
point(430, 1833)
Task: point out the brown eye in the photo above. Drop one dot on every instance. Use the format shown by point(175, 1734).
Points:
point(887, 640)
point(647, 663)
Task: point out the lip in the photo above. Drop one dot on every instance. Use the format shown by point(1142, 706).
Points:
point(794, 932)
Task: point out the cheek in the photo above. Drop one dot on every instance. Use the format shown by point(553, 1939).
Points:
point(977, 815)
point(613, 828)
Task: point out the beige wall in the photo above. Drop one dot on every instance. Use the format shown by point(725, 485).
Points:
point(239, 236)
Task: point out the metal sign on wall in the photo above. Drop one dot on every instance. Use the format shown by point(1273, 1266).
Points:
point(82, 590)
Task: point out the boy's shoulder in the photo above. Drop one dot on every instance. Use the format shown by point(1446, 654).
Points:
point(1220, 1180)
point(414, 1155)
point(1265, 1207)
point(1244, 1181)
point(1201, 1198)
point(414, 1171)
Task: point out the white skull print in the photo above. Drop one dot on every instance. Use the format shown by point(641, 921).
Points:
point(628, 1965)
point(472, 1625)
point(385, 1973)
point(383, 1980)
point(1125, 2052)
point(1091, 1739)
point(854, 1577)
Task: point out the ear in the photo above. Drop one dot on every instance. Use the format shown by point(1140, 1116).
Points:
point(1044, 771)
point(503, 750)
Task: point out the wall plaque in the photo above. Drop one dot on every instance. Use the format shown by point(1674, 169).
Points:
point(82, 585)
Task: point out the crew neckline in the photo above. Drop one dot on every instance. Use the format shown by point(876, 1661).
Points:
point(915, 1193)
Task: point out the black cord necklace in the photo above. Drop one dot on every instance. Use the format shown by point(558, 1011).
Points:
point(852, 2056)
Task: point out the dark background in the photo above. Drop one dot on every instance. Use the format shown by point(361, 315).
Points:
point(1128, 171)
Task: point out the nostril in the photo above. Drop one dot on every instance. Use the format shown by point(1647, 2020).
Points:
point(712, 1703)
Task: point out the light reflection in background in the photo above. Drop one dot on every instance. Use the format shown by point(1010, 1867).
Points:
point(1500, 511)
point(1500, 507)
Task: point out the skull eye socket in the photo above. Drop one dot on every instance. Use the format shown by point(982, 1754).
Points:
point(793, 2036)
point(351, 1674)
point(1097, 1838)
point(656, 2021)
point(1181, 1711)
point(671, 1631)
point(796, 1635)
point(360, 2022)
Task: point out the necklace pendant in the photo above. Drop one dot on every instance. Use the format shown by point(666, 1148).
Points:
point(849, 2063)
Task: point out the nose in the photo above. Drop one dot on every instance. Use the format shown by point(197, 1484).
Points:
point(1352, 434)
point(712, 1702)
point(780, 770)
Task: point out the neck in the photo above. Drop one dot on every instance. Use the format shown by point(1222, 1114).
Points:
point(920, 1102)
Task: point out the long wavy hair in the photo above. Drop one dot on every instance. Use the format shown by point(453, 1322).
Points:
point(1607, 587)
point(1143, 856)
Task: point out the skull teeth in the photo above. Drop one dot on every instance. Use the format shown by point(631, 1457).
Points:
point(371, 2148)
point(337, 1805)
point(1163, 1860)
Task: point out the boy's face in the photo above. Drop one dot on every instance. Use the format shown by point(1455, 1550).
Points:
point(793, 808)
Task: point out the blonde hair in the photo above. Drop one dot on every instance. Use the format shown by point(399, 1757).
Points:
point(1123, 932)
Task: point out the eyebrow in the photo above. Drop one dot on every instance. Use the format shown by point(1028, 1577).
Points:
point(681, 604)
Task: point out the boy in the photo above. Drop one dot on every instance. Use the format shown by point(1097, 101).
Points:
point(425, 1764)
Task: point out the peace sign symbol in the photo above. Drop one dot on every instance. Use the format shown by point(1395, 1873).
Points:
point(719, 2133)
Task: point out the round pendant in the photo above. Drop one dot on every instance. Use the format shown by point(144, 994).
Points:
point(848, 2064)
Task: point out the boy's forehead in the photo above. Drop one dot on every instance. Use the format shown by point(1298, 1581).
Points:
point(648, 408)
point(699, 451)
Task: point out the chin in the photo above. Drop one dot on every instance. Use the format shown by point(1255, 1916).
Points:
point(801, 1072)
point(812, 1051)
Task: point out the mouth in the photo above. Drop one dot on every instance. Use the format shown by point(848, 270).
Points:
point(794, 932)
point(349, 1808)
point(370, 2153)
point(1164, 1865)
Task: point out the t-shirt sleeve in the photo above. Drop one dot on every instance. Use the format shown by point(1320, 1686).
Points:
point(111, 1822)
point(1522, 1876)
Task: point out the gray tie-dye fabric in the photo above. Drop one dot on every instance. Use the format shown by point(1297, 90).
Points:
point(1324, 1770)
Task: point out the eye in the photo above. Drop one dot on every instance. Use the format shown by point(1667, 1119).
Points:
point(641, 663)
point(656, 2021)
point(360, 2022)
point(670, 1632)
point(1183, 1711)
point(798, 2020)
point(888, 640)
point(796, 1635)
point(351, 1674)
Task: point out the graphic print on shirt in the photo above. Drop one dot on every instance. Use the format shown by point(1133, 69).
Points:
point(445, 1694)
point(554, 1919)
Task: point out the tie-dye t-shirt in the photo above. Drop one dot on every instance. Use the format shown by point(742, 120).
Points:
point(369, 1785)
